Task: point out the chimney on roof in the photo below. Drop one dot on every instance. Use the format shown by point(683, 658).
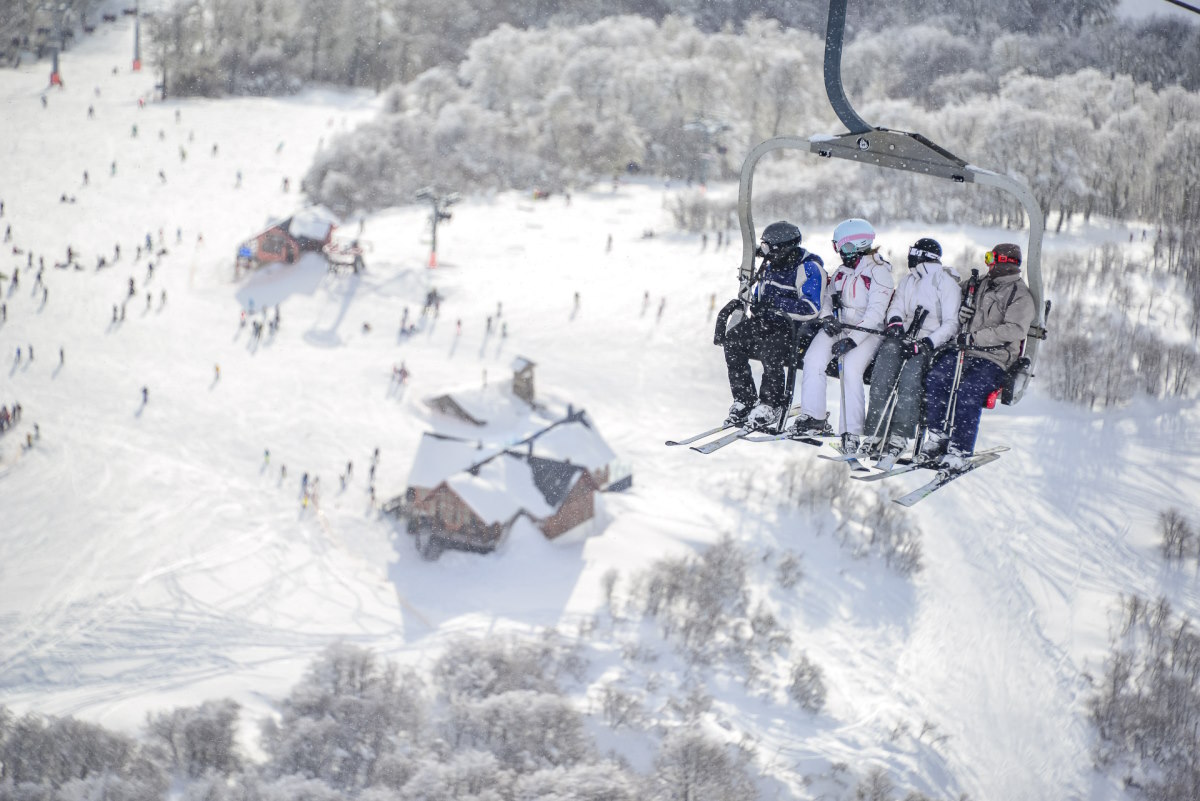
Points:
point(522, 383)
point(570, 411)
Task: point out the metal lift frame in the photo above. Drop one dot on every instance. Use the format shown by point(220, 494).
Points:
point(896, 150)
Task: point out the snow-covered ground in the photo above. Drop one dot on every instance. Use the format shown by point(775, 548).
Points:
point(151, 556)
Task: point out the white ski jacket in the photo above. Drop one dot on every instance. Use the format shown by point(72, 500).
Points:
point(934, 287)
point(866, 291)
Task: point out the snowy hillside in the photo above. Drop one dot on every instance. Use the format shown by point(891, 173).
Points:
point(153, 555)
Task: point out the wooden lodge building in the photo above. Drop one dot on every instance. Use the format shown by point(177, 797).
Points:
point(463, 495)
point(285, 241)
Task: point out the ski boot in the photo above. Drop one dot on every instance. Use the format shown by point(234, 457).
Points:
point(954, 460)
point(892, 449)
point(762, 416)
point(808, 426)
point(738, 413)
point(868, 447)
point(933, 448)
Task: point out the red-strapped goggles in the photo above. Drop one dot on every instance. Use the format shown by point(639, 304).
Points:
point(992, 257)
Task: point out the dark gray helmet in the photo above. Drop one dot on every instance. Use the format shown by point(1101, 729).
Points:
point(778, 238)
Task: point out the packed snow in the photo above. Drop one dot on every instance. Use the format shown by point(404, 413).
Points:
point(154, 554)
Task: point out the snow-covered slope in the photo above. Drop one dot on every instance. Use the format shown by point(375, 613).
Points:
point(151, 555)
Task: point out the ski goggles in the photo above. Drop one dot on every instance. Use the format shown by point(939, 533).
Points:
point(992, 257)
point(926, 255)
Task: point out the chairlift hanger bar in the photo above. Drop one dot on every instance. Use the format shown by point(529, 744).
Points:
point(897, 150)
point(1181, 4)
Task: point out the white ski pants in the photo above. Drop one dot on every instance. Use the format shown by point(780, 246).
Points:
point(812, 383)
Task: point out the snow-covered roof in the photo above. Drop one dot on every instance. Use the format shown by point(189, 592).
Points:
point(315, 222)
point(577, 442)
point(520, 363)
point(440, 457)
point(503, 487)
point(553, 478)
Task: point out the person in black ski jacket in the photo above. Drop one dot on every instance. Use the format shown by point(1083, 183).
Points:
point(786, 287)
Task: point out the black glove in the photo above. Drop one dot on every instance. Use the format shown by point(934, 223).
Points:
point(964, 340)
point(923, 347)
point(843, 346)
point(895, 328)
point(831, 326)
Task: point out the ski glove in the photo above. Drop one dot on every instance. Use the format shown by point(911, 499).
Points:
point(895, 328)
point(964, 340)
point(831, 327)
point(843, 346)
point(965, 313)
point(923, 347)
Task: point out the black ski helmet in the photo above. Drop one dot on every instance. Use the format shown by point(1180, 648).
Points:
point(780, 237)
point(924, 249)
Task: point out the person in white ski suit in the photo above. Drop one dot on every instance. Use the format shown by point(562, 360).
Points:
point(903, 357)
point(858, 295)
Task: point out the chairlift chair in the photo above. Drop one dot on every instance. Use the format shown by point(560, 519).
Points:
point(898, 150)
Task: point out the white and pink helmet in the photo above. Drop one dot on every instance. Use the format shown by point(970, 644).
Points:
point(853, 237)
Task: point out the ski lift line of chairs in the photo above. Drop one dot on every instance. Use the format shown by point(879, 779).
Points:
point(897, 150)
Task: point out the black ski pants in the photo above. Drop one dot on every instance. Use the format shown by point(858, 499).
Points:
point(768, 338)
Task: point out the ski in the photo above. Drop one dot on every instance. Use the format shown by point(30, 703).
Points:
point(700, 436)
point(895, 471)
point(809, 440)
point(943, 478)
point(749, 436)
point(721, 442)
point(907, 466)
point(715, 430)
point(851, 460)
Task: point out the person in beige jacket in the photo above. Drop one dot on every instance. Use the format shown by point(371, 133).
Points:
point(995, 317)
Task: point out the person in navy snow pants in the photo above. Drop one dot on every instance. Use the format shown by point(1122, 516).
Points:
point(980, 378)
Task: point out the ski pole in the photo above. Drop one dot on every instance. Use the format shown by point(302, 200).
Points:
point(952, 407)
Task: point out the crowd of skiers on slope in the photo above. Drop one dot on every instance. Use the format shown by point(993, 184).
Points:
point(917, 333)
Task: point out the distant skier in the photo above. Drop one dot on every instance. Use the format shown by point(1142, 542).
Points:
point(998, 313)
point(145, 395)
point(785, 288)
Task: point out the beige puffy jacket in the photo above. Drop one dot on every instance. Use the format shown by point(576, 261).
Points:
point(1004, 310)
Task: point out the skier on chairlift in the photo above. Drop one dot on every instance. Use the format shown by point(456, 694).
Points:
point(786, 287)
point(898, 377)
point(857, 299)
point(995, 320)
